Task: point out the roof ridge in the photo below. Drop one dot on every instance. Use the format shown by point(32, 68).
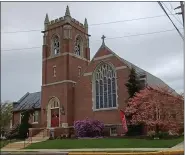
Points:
point(22, 98)
point(36, 92)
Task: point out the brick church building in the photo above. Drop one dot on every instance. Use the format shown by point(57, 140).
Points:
point(75, 87)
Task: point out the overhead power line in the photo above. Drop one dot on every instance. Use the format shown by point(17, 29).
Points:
point(134, 35)
point(172, 8)
point(170, 19)
point(17, 49)
point(171, 12)
point(112, 22)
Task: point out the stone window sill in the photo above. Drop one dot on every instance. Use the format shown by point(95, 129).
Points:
point(104, 109)
point(35, 123)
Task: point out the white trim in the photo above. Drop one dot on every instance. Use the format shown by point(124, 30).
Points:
point(34, 123)
point(103, 57)
point(66, 53)
point(54, 70)
point(87, 74)
point(20, 117)
point(59, 82)
point(65, 125)
point(79, 71)
point(117, 68)
point(104, 109)
point(121, 67)
point(140, 79)
point(49, 110)
point(54, 108)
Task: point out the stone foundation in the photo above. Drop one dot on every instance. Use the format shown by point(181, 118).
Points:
point(34, 131)
point(60, 132)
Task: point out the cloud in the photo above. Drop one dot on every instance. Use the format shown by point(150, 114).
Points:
point(160, 54)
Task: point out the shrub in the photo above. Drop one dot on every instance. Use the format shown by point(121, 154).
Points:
point(172, 133)
point(25, 125)
point(162, 134)
point(88, 128)
point(13, 133)
point(135, 130)
point(151, 134)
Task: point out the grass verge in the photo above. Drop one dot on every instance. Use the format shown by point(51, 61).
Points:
point(105, 143)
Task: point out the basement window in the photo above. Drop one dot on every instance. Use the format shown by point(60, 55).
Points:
point(113, 131)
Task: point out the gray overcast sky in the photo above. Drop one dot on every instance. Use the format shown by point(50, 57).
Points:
point(160, 54)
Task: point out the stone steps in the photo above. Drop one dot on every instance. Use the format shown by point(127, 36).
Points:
point(39, 137)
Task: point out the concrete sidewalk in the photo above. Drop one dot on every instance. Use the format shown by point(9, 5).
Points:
point(179, 146)
point(87, 150)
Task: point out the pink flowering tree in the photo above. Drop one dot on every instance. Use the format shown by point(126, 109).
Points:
point(157, 108)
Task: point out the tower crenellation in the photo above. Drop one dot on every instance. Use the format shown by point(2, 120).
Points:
point(61, 19)
point(66, 18)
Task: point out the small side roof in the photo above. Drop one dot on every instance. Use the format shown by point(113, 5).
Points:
point(28, 101)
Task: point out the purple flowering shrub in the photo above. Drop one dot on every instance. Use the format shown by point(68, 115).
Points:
point(88, 128)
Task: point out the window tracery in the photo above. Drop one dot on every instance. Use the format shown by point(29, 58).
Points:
point(105, 87)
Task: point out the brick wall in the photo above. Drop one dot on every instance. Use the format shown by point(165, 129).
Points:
point(83, 92)
point(67, 68)
point(16, 119)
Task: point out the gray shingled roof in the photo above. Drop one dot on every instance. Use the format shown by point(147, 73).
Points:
point(28, 101)
point(151, 80)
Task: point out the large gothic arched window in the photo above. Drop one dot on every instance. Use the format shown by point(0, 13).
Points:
point(105, 87)
point(55, 45)
point(78, 46)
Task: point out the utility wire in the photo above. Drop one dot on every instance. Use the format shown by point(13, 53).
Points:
point(134, 35)
point(20, 49)
point(128, 20)
point(171, 13)
point(172, 8)
point(170, 20)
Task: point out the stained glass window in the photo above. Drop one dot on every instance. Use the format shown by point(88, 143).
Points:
point(105, 87)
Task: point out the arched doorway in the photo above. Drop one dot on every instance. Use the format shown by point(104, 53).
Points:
point(53, 113)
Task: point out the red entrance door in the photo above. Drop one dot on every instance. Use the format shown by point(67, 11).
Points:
point(54, 118)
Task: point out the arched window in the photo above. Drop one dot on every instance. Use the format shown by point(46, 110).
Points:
point(78, 46)
point(55, 45)
point(104, 81)
point(54, 103)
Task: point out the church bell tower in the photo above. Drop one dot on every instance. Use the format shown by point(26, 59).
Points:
point(65, 55)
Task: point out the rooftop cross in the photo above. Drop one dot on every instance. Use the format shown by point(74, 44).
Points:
point(103, 40)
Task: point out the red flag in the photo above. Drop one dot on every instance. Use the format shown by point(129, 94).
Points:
point(124, 123)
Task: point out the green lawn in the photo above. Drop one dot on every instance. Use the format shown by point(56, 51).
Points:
point(105, 143)
point(3, 143)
